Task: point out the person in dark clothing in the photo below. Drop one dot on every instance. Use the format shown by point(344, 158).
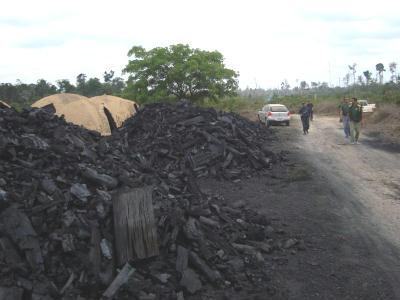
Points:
point(344, 116)
point(311, 109)
point(304, 113)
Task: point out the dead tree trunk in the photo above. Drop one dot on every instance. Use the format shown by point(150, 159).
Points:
point(134, 225)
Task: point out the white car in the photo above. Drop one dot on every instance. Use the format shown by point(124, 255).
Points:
point(274, 114)
point(366, 107)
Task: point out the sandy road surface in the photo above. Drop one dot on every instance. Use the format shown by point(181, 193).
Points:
point(366, 181)
point(366, 175)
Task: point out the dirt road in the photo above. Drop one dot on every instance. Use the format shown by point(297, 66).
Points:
point(366, 175)
point(343, 201)
point(366, 181)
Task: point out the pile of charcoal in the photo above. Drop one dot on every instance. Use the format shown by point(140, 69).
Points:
point(222, 145)
point(58, 183)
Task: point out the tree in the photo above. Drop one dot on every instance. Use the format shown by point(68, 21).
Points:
point(314, 84)
point(178, 72)
point(117, 85)
point(64, 86)
point(323, 85)
point(285, 85)
point(44, 88)
point(353, 70)
point(367, 75)
point(112, 85)
point(303, 85)
point(380, 69)
point(392, 69)
point(93, 87)
point(108, 76)
point(360, 80)
point(80, 83)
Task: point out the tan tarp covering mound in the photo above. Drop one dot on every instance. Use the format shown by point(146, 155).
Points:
point(78, 110)
point(4, 105)
point(120, 109)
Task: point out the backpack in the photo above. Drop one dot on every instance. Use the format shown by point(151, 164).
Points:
point(305, 112)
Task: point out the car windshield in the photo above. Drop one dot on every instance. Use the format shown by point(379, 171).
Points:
point(278, 109)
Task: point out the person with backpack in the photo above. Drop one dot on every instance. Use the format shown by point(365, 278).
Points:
point(355, 116)
point(344, 116)
point(304, 113)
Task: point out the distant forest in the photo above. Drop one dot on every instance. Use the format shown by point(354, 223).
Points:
point(22, 95)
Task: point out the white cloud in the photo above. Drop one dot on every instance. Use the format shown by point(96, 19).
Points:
point(265, 42)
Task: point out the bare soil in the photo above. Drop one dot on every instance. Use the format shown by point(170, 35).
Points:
point(342, 200)
point(384, 124)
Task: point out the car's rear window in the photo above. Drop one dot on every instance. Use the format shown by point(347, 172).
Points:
point(278, 108)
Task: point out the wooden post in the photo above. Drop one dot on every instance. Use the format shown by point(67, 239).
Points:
point(134, 225)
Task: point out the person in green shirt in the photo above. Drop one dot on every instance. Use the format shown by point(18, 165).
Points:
point(355, 116)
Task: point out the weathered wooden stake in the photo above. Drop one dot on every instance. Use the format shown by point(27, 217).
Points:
point(134, 225)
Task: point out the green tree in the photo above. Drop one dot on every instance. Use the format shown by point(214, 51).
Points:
point(64, 86)
point(117, 85)
point(81, 83)
point(367, 75)
point(43, 89)
point(112, 85)
point(380, 69)
point(178, 72)
point(93, 87)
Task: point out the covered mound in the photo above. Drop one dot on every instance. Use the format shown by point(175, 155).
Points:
point(120, 109)
point(78, 110)
point(4, 105)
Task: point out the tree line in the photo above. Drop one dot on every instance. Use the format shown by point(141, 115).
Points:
point(159, 74)
point(22, 94)
point(350, 79)
point(367, 76)
point(180, 72)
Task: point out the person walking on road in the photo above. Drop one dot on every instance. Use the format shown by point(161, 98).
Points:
point(355, 116)
point(344, 116)
point(305, 118)
point(311, 110)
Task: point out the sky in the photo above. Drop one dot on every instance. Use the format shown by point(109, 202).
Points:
point(265, 41)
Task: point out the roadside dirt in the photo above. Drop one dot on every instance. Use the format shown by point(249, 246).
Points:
point(343, 201)
point(384, 124)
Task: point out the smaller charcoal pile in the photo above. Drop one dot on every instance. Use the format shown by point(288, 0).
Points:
point(173, 137)
point(61, 189)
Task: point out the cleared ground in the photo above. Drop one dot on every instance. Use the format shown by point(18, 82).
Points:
point(343, 201)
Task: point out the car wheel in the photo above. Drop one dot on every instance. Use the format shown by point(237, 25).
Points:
point(287, 123)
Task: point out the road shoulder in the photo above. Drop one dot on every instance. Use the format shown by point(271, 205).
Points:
point(345, 256)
